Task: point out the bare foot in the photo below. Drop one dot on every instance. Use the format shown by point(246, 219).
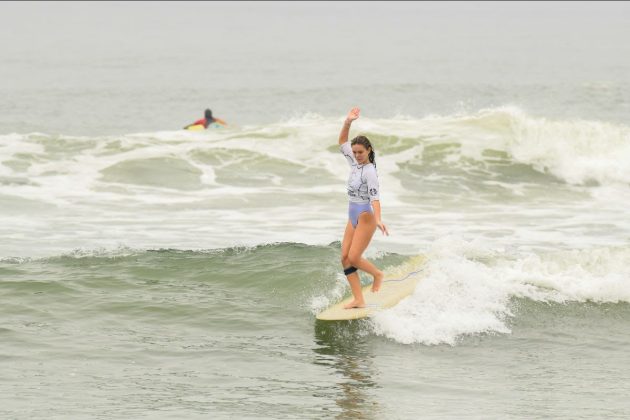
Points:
point(376, 284)
point(354, 304)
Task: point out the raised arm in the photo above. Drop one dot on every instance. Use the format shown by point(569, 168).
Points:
point(345, 130)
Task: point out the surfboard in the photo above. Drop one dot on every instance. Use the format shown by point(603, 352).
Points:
point(197, 127)
point(200, 127)
point(394, 288)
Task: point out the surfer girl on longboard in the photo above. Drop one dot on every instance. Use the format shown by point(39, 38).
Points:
point(364, 211)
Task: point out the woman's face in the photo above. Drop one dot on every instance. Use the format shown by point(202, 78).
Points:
point(361, 154)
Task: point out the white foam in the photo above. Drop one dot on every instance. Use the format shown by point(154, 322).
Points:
point(71, 181)
point(575, 151)
point(321, 302)
point(469, 288)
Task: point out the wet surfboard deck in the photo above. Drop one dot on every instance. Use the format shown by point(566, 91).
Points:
point(393, 290)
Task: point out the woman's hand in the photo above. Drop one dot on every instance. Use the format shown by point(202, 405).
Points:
point(345, 130)
point(353, 114)
point(382, 227)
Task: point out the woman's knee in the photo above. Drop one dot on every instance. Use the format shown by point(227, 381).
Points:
point(345, 262)
point(354, 258)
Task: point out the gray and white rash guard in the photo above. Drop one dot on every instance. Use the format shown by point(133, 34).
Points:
point(363, 179)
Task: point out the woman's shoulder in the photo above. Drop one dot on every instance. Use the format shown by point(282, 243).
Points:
point(369, 168)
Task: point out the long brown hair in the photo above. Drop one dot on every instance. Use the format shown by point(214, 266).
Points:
point(365, 142)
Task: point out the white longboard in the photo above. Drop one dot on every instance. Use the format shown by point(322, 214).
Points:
point(393, 290)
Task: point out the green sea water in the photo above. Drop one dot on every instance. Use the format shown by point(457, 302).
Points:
point(231, 333)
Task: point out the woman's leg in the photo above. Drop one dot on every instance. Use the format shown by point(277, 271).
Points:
point(353, 279)
point(360, 241)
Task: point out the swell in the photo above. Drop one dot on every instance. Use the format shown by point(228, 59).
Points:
point(500, 144)
point(467, 289)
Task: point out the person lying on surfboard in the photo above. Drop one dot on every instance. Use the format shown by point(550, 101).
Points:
point(364, 211)
point(207, 120)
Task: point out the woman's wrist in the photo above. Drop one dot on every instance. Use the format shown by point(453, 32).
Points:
point(347, 122)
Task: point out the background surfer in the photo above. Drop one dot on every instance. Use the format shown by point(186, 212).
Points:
point(364, 211)
point(207, 120)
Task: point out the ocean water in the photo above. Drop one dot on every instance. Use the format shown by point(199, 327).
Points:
point(150, 272)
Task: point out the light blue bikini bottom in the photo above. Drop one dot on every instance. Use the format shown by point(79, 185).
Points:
point(355, 209)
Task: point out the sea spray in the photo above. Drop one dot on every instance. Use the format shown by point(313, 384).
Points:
point(470, 288)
